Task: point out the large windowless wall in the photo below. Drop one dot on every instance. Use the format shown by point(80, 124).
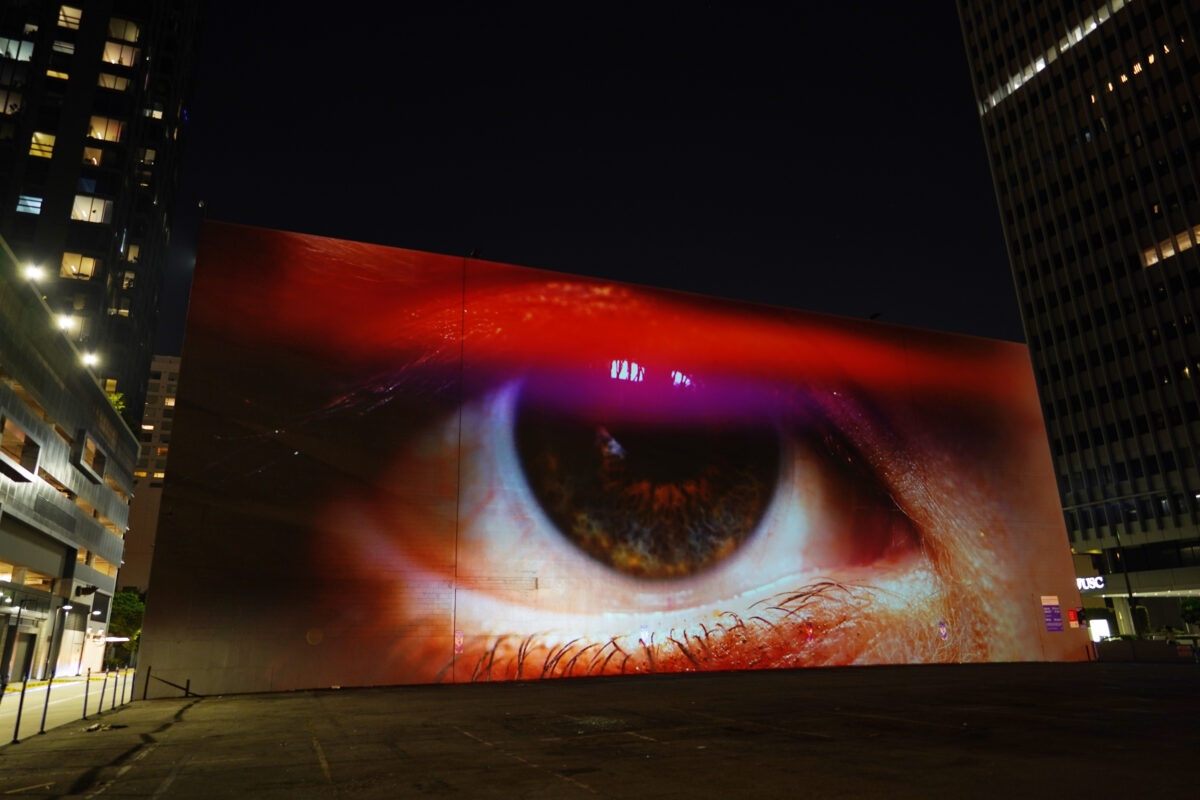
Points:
point(396, 467)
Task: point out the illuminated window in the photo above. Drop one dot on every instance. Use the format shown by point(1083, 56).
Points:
point(54, 73)
point(160, 474)
point(105, 128)
point(110, 384)
point(64, 47)
point(28, 204)
point(105, 567)
point(120, 54)
point(160, 451)
point(91, 209)
point(117, 82)
point(122, 308)
point(1085, 28)
point(68, 17)
point(135, 250)
point(16, 49)
point(41, 144)
point(77, 265)
point(155, 112)
point(92, 457)
point(10, 101)
point(140, 473)
point(1184, 240)
point(92, 155)
point(19, 452)
point(123, 29)
point(169, 402)
point(127, 280)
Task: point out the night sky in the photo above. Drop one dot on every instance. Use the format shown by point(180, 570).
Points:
point(825, 157)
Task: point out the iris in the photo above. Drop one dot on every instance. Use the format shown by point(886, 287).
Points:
point(644, 494)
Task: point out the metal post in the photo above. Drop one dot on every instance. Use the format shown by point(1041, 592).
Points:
point(103, 686)
point(20, 708)
point(46, 705)
point(124, 682)
point(87, 684)
point(187, 688)
point(146, 685)
point(114, 700)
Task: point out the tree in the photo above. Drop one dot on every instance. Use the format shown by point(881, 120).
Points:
point(118, 401)
point(128, 608)
point(1190, 610)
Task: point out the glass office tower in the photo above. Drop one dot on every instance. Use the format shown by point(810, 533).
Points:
point(1088, 112)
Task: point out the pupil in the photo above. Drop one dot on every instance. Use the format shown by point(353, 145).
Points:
point(653, 500)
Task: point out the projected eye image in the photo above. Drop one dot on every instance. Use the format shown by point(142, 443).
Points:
point(500, 473)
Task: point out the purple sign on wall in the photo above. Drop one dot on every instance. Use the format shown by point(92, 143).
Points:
point(1052, 612)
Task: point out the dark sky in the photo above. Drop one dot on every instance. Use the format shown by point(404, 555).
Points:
point(826, 156)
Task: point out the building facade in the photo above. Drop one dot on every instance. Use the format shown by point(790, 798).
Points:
point(1089, 115)
point(66, 478)
point(155, 435)
point(92, 122)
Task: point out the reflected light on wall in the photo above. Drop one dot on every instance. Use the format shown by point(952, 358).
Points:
point(627, 371)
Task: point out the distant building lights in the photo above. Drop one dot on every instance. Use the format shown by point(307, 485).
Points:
point(1072, 38)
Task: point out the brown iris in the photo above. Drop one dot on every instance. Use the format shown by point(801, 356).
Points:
point(651, 500)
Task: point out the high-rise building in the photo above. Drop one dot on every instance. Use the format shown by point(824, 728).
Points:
point(66, 476)
point(1089, 115)
point(92, 121)
point(151, 469)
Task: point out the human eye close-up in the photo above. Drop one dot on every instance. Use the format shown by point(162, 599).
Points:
point(495, 473)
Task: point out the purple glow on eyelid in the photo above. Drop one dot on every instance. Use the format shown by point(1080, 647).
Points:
point(636, 392)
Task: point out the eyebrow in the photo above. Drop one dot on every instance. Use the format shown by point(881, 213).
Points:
point(386, 310)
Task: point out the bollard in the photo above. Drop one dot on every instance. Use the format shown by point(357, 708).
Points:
point(87, 684)
point(20, 708)
point(146, 685)
point(46, 705)
point(124, 683)
point(114, 700)
point(103, 686)
point(187, 688)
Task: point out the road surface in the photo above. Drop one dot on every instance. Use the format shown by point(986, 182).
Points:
point(65, 704)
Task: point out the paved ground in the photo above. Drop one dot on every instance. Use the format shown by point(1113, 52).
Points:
point(64, 703)
point(1026, 730)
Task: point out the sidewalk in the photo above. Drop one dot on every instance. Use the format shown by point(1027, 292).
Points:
point(1029, 730)
point(15, 687)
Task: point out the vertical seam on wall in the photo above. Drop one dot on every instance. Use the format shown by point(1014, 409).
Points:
point(462, 335)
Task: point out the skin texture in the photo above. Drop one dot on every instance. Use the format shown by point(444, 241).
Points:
point(371, 399)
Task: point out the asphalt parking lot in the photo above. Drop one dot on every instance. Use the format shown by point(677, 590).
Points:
point(1029, 730)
